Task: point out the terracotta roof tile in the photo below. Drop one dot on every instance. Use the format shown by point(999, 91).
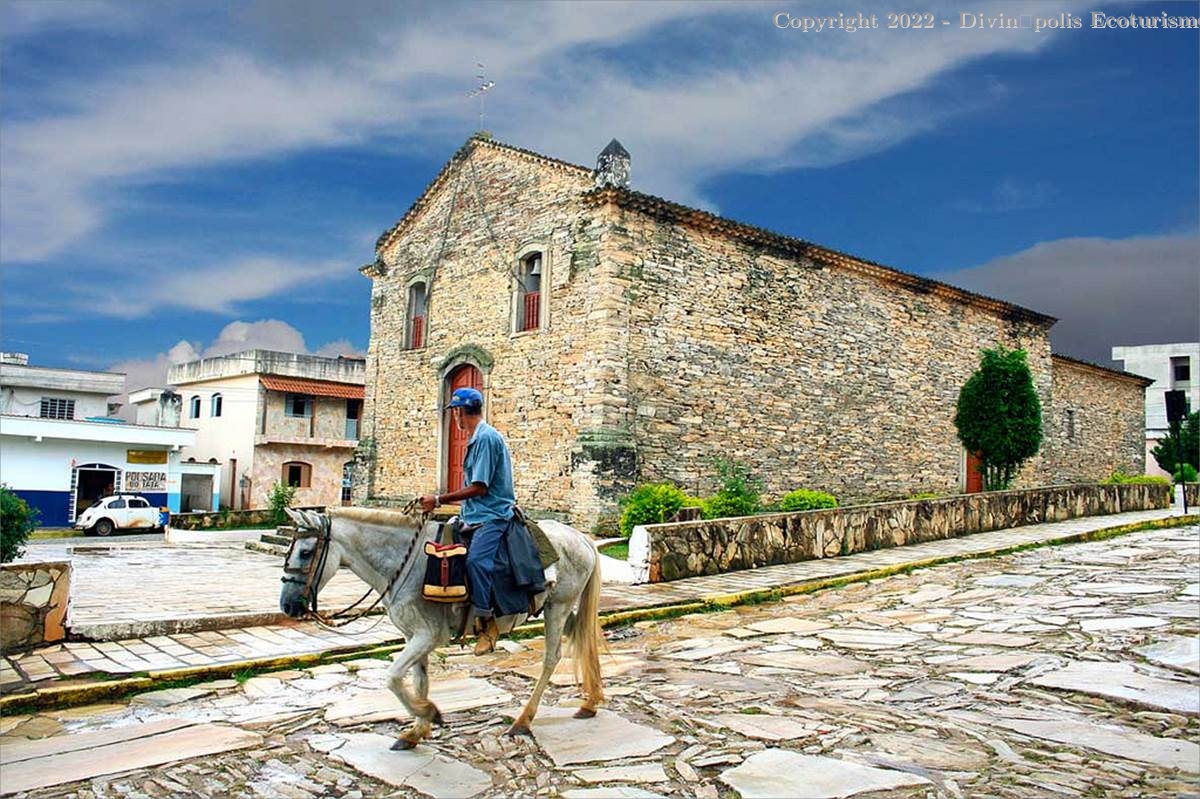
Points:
point(318, 388)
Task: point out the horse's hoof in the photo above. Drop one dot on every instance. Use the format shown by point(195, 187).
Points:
point(437, 717)
point(402, 745)
point(585, 713)
point(519, 729)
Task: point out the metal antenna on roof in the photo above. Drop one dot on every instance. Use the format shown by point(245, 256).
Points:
point(481, 90)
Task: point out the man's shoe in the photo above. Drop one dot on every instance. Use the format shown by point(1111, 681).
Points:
point(487, 639)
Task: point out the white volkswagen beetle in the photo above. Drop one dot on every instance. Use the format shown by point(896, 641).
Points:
point(121, 512)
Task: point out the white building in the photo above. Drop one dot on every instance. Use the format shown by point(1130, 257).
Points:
point(199, 482)
point(61, 450)
point(270, 417)
point(1172, 367)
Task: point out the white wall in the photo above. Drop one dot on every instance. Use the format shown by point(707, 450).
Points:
point(1154, 361)
point(229, 436)
point(21, 401)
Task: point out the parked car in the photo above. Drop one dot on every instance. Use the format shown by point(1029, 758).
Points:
point(122, 512)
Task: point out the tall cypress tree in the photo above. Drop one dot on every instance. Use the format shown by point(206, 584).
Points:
point(999, 415)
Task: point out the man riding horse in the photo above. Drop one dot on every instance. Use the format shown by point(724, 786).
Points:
point(487, 501)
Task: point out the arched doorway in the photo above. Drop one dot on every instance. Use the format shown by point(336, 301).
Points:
point(90, 482)
point(465, 376)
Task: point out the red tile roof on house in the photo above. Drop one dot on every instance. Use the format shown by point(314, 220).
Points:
point(317, 388)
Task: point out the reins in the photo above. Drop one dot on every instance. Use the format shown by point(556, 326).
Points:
point(339, 619)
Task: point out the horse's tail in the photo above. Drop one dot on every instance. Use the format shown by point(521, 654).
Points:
point(586, 637)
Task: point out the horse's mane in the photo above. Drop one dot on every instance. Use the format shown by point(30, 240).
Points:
point(384, 516)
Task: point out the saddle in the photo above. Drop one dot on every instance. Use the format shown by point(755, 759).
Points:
point(446, 578)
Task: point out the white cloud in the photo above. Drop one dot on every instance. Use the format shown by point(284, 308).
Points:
point(1105, 292)
point(795, 100)
point(265, 334)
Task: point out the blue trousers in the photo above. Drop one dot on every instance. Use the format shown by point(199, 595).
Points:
point(481, 564)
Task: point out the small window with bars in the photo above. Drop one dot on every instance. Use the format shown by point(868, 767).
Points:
point(529, 293)
point(57, 408)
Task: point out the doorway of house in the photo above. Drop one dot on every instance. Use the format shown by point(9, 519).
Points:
point(93, 481)
point(466, 376)
point(974, 473)
point(196, 491)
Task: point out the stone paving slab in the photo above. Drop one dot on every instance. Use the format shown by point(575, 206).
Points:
point(778, 772)
point(69, 758)
point(1122, 681)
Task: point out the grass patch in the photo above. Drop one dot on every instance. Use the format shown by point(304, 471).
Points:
point(617, 549)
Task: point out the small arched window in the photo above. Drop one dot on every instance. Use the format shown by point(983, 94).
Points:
point(415, 334)
point(529, 293)
point(194, 407)
point(215, 406)
point(297, 474)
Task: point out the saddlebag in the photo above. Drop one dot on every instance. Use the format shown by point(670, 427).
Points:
point(445, 573)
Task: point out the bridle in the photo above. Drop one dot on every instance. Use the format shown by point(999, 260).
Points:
point(316, 566)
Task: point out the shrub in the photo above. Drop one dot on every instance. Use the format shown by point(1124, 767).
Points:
point(1186, 475)
point(924, 495)
point(281, 497)
point(652, 503)
point(804, 499)
point(1119, 478)
point(17, 521)
point(740, 491)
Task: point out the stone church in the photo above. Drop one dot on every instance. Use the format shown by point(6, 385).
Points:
point(621, 338)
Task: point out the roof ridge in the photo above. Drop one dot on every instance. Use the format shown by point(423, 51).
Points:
point(1089, 364)
point(461, 154)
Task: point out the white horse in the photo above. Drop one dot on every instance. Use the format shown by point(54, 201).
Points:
point(386, 550)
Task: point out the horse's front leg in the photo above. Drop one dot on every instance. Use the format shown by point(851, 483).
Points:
point(415, 653)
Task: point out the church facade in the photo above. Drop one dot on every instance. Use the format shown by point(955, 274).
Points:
point(620, 338)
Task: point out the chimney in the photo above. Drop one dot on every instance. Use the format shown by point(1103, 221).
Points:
point(612, 166)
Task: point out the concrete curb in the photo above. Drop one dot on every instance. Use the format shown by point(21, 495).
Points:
point(56, 696)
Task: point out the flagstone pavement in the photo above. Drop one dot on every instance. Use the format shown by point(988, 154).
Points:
point(195, 581)
point(1066, 671)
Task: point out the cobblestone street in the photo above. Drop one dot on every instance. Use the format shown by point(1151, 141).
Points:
point(1061, 671)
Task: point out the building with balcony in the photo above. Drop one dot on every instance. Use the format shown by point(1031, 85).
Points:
point(1172, 367)
point(61, 448)
point(269, 417)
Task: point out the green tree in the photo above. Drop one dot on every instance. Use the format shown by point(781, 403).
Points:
point(17, 521)
point(999, 415)
point(1167, 451)
point(281, 497)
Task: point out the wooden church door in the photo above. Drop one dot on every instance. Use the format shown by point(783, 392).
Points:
point(463, 377)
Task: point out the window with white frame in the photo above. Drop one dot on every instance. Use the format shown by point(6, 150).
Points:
point(194, 407)
point(215, 405)
point(57, 408)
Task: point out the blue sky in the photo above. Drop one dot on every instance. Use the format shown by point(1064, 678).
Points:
point(186, 179)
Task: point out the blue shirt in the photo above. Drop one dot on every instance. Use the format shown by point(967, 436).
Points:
point(487, 462)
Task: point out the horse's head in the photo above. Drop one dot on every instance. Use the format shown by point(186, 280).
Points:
point(310, 563)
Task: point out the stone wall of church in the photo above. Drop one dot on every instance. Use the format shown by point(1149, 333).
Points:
point(815, 376)
point(548, 391)
point(1095, 427)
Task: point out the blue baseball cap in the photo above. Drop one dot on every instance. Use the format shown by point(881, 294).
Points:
point(466, 398)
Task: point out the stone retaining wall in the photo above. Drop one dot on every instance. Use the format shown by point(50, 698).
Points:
point(253, 517)
point(34, 599)
point(689, 549)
